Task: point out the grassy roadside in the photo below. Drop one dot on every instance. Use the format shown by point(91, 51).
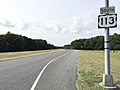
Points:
point(90, 69)
point(16, 55)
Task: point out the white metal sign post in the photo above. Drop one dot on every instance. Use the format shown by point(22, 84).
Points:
point(107, 20)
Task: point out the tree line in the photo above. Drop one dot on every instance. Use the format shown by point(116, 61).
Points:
point(13, 42)
point(95, 43)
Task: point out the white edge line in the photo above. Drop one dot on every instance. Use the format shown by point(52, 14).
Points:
point(40, 74)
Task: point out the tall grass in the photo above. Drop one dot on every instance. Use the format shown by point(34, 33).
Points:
point(90, 69)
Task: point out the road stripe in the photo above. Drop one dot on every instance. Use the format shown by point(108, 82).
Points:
point(40, 74)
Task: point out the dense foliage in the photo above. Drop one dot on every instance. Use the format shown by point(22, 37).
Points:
point(95, 43)
point(14, 42)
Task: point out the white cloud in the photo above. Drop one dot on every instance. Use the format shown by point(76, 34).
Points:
point(74, 25)
point(7, 23)
point(53, 26)
point(30, 24)
point(17, 23)
point(85, 26)
point(78, 25)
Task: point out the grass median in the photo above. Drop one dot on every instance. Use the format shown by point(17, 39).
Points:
point(90, 68)
point(15, 55)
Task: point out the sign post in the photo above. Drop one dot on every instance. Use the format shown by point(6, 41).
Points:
point(107, 78)
point(107, 20)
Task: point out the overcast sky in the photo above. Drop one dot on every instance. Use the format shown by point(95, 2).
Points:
point(57, 21)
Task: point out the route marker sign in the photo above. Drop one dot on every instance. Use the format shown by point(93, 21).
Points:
point(105, 10)
point(109, 20)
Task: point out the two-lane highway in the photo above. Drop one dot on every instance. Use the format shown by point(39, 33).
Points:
point(55, 71)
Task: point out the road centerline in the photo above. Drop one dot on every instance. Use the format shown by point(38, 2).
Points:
point(41, 72)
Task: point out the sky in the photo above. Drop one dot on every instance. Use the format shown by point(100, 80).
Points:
point(57, 21)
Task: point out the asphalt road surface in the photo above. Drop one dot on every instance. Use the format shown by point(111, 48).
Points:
point(55, 71)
